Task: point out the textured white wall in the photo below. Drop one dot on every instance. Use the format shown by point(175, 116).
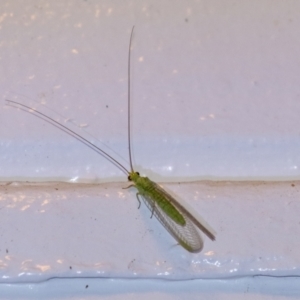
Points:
point(215, 94)
point(215, 88)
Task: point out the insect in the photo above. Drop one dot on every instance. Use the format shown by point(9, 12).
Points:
point(179, 221)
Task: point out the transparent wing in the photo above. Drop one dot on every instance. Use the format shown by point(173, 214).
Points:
point(201, 224)
point(187, 236)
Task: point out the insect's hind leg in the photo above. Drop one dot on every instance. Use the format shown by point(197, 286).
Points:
point(152, 212)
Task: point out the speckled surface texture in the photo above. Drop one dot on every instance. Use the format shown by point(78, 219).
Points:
point(215, 96)
point(82, 230)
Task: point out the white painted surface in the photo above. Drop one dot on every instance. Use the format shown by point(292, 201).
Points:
point(215, 94)
point(80, 230)
point(244, 288)
point(215, 88)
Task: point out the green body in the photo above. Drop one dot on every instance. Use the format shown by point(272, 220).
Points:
point(148, 189)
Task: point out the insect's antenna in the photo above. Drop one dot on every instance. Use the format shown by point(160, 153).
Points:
point(70, 132)
point(129, 123)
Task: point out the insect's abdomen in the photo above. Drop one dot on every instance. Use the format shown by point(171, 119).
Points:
point(148, 189)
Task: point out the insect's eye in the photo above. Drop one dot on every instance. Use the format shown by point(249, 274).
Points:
point(129, 178)
point(137, 173)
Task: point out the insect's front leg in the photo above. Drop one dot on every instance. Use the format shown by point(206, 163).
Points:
point(127, 187)
point(138, 199)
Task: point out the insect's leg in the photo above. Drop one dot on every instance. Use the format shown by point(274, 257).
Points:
point(125, 188)
point(153, 207)
point(138, 199)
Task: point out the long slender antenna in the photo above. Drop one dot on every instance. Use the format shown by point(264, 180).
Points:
point(70, 132)
point(129, 123)
point(82, 139)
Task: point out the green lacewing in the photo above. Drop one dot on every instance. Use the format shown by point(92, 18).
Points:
point(179, 220)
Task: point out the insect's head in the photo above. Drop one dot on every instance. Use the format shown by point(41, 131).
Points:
point(133, 176)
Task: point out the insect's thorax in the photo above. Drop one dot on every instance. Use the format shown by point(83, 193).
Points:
point(141, 183)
